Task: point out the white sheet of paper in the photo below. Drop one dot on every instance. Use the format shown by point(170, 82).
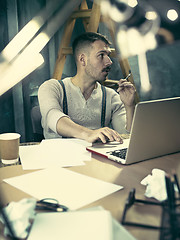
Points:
point(81, 225)
point(91, 223)
point(62, 152)
point(70, 188)
point(69, 148)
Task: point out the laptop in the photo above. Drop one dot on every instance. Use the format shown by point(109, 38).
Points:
point(155, 132)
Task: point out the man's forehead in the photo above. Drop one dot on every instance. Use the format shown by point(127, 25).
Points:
point(100, 46)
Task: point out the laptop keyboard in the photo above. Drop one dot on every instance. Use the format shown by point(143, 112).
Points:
point(121, 153)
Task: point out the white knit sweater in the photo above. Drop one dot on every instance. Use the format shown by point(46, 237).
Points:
point(84, 112)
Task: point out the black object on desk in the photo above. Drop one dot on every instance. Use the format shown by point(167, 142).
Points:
point(46, 204)
point(131, 200)
point(170, 219)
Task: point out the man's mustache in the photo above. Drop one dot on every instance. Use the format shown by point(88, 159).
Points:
point(107, 69)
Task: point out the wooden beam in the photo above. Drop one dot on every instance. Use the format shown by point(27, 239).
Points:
point(81, 14)
point(95, 18)
point(65, 41)
point(84, 6)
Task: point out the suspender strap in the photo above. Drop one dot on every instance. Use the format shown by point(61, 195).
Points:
point(103, 111)
point(65, 106)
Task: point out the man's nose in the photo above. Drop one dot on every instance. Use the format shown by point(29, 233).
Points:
point(108, 61)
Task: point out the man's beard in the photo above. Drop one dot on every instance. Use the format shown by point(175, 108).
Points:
point(98, 77)
point(107, 69)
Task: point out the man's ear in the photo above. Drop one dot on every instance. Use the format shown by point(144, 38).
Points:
point(82, 59)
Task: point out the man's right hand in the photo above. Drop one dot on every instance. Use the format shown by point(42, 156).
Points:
point(103, 134)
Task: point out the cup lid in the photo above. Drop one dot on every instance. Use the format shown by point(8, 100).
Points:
point(9, 136)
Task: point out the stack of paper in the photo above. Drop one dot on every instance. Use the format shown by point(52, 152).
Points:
point(62, 152)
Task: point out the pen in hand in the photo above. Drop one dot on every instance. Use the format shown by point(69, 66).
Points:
point(128, 75)
point(115, 83)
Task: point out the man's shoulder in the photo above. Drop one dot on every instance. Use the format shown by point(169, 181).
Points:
point(54, 82)
point(50, 81)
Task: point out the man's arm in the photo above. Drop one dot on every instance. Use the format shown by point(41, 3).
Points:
point(127, 91)
point(67, 128)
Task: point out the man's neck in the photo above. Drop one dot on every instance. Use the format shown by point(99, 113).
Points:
point(86, 85)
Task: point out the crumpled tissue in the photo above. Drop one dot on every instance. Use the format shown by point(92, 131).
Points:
point(19, 215)
point(156, 185)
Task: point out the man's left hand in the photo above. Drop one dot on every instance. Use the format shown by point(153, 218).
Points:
point(126, 91)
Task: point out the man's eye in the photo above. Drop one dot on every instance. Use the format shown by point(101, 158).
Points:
point(101, 55)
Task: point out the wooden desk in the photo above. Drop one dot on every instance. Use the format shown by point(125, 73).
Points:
point(127, 176)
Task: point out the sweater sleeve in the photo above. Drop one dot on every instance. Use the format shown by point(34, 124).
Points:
point(50, 97)
point(118, 120)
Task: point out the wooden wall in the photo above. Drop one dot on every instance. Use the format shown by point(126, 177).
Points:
point(16, 104)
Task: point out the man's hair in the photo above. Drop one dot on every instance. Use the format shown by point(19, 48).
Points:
point(86, 39)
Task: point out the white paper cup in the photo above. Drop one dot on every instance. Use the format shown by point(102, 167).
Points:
point(9, 147)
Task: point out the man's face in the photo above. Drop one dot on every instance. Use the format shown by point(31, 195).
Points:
point(98, 62)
